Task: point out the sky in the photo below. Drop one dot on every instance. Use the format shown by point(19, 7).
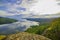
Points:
point(46, 7)
point(37, 7)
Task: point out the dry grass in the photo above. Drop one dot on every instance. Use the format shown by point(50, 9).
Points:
point(2, 37)
point(26, 36)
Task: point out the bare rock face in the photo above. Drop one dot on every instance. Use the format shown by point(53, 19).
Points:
point(25, 36)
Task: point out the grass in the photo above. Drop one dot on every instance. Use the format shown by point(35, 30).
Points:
point(2, 37)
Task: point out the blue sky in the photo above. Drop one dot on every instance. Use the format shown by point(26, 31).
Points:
point(16, 7)
point(11, 6)
point(5, 3)
point(10, 1)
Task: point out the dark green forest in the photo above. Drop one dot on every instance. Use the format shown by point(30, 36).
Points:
point(6, 20)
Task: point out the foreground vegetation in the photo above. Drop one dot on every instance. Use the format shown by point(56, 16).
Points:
point(6, 20)
point(37, 29)
point(2, 37)
point(51, 31)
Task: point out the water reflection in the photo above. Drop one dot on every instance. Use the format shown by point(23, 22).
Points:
point(16, 26)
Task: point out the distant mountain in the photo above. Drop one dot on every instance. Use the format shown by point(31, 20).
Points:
point(19, 16)
point(34, 16)
point(41, 20)
point(6, 20)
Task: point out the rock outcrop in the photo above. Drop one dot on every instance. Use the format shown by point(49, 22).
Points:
point(25, 36)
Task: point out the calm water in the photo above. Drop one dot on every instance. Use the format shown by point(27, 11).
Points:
point(16, 26)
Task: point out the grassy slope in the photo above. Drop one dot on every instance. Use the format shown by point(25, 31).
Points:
point(2, 37)
point(6, 20)
point(37, 29)
point(51, 31)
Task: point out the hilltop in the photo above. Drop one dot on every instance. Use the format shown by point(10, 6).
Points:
point(25, 36)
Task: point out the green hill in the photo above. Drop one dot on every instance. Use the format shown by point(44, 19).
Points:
point(6, 20)
point(37, 29)
point(53, 32)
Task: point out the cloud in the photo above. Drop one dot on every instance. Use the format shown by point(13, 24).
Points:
point(41, 7)
point(11, 6)
point(45, 7)
point(4, 13)
point(17, 6)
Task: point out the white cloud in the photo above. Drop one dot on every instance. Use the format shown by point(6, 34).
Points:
point(4, 13)
point(25, 4)
point(45, 7)
point(34, 6)
point(13, 8)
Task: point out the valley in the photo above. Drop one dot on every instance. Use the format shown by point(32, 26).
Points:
point(39, 26)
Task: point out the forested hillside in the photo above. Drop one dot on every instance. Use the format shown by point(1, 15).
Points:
point(51, 30)
point(6, 20)
point(37, 29)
